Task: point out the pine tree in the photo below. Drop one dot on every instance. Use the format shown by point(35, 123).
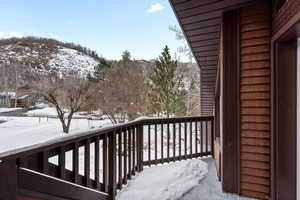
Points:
point(167, 87)
point(100, 71)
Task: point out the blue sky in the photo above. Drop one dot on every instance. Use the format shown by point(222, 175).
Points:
point(107, 26)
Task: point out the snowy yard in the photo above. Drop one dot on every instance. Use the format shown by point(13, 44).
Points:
point(19, 132)
point(3, 110)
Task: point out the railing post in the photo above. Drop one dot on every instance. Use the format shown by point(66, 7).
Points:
point(112, 165)
point(212, 138)
point(8, 180)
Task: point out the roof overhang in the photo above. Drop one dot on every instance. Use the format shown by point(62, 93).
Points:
point(200, 21)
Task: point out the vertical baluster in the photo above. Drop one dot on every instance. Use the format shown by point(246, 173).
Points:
point(191, 138)
point(62, 163)
point(185, 140)
point(87, 163)
point(112, 165)
point(125, 156)
point(149, 144)
point(134, 150)
point(201, 141)
point(75, 163)
point(179, 139)
point(105, 164)
point(45, 163)
point(206, 138)
point(155, 131)
point(97, 158)
point(161, 142)
point(212, 137)
point(120, 159)
point(174, 141)
point(168, 142)
point(129, 152)
point(142, 147)
point(196, 137)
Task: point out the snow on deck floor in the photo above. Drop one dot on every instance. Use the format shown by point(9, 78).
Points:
point(169, 181)
point(186, 180)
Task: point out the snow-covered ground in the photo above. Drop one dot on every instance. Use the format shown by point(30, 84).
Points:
point(19, 132)
point(46, 111)
point(3, 110)
point(165, 182)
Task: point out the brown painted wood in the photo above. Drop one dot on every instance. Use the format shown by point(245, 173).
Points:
point(8, 180)
point(230, 163)
point(35, 182)
point(286, 70)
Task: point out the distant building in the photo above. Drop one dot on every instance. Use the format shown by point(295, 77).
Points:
point(5, 98)
point(22, 102)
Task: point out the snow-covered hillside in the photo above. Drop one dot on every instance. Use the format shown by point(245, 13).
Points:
point(70, 60)
point(48, 57)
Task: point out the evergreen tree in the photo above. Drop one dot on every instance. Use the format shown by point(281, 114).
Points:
point(100, 70)
point(126, 57)
point(167, 94)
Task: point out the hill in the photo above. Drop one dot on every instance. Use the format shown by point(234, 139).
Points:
point(47, 55)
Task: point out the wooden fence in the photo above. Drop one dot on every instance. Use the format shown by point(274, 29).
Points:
point(102, 161)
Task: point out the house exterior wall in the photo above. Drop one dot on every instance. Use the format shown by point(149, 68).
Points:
point(255, 101)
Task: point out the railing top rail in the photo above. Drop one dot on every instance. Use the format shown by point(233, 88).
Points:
point(68, 139)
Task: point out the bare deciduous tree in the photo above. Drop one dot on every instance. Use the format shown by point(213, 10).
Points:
point(68, 95)
point(122, 95)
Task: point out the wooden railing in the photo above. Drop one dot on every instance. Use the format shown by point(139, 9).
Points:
point(102, 160)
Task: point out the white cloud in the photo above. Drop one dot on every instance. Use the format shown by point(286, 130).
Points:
point(1, 34)
point(155, 8)
point(15, 34)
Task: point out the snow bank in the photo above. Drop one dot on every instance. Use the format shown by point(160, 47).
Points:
point(47, 111)
point(165, 182)
point(3, 110)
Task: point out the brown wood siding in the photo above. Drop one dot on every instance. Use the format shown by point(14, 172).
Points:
point(255, 101)
point(285, 14)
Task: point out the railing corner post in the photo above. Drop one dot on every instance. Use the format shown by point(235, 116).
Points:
point(8, 180)
point(112, 186)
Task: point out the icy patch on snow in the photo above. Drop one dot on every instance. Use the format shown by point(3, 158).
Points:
point(165, 182)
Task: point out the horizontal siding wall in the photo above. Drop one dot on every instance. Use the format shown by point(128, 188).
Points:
point(255, 101)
